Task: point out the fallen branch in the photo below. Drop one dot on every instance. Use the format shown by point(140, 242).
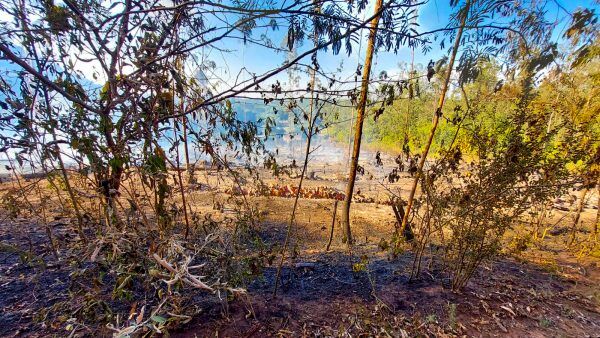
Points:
point(184, 275)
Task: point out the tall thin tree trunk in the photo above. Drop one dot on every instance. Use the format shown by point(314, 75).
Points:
point(408, 107)
point(190, 168)
point(179, 176)
point(436, 118)
point(186, 152)
point(180, 181)
point(360, 117)
point(335, 204)
point(292, 218)
point(71, 195)
point(597, 223)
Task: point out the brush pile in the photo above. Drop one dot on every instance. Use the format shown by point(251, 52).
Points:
point(288, 191)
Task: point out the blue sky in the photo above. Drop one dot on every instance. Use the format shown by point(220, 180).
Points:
point(432, 15)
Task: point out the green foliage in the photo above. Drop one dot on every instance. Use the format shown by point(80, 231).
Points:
point(155, 164)
point(412, 117)
point(524, 142)
point(362, 265)
point(57, 17)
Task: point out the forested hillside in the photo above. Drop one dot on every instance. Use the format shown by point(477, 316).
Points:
point(564, 102)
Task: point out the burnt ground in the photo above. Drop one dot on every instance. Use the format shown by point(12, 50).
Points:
point(546, 291)
point(329, 300)
point(323, 295)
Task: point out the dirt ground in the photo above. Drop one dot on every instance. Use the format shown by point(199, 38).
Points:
point(546, 291)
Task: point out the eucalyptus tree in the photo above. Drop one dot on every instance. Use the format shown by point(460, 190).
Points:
point(360, 116)
point(584, 35)
point(491, 28)
point(517, 160)
point(103, 78)
point(113, 63)
point(393, 32)
point(483, 37)
point(464, 13)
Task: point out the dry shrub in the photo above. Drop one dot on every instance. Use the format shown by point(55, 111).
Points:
point(138, 274)
point(469, 207)
point(134, 282)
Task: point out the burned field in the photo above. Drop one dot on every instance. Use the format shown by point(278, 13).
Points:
point(542, 289)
